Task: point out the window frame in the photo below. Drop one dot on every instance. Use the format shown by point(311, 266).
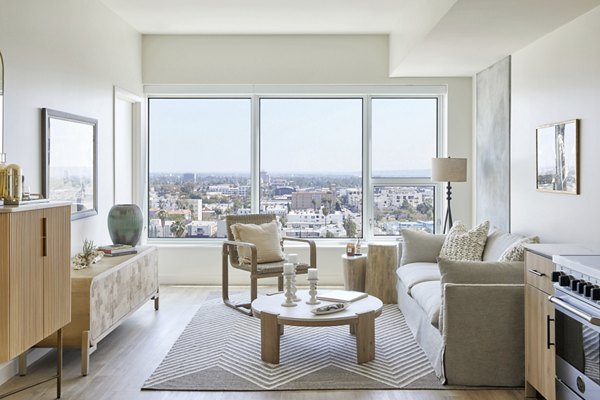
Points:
point(257, 92)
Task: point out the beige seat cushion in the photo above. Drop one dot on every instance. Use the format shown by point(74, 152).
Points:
point(266, 237)
point(428, 295)
point(415, 273)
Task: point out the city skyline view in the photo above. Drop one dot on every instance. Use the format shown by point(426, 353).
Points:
point(309, 156)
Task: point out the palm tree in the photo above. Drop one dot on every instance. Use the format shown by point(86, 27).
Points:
point(162, 215)
point(178, 228)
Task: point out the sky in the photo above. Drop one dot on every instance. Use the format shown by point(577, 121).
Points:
point(296, 135)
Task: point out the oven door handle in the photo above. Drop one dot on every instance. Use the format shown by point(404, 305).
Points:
point(570, 309)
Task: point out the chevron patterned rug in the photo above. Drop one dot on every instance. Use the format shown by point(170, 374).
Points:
point(220, 351)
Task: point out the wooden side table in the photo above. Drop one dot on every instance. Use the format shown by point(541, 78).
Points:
point(380, 276)
point(354, 268)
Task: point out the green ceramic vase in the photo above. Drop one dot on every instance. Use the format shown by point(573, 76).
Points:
point(125, 222)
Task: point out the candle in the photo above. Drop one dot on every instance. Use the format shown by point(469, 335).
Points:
point(293, 258)
point(312, 274)
point(288, 268)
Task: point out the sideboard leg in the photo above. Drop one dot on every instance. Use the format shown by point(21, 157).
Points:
point(85, 352)
point(59, 363)
point(23, 364)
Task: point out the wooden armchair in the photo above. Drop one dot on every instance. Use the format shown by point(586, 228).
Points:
point(257, 270)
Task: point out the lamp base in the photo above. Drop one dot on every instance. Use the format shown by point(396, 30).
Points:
point(448, 219)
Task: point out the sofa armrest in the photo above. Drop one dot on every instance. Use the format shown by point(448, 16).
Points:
point(483, 334)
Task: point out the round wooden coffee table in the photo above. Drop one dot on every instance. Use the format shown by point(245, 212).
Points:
point(360, 316)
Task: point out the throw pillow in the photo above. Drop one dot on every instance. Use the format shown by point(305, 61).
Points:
point(465, 245)
point(516, 252)
point(266, 237)
point(419, 246)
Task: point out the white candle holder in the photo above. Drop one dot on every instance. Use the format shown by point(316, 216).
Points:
point(289, 295)
point(312, 291)
point(294, 288)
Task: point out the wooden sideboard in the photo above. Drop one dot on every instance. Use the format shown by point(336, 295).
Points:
point(35, 272)
point(105, 294)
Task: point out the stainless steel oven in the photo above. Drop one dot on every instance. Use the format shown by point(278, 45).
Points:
point(577, 328)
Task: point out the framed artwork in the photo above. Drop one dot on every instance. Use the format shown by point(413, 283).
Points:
point(557, 157)
point(70, 161)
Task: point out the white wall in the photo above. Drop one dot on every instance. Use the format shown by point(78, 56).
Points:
point(554, 79)
point(290, 60)
point(65, 55)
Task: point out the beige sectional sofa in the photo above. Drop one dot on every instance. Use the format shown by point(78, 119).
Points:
point(466, 315)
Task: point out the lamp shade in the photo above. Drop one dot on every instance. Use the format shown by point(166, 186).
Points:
point(449, 169)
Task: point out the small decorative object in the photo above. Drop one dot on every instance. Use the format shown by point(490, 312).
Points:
point(350, 249)
point(558, 157)
point(13, 192)
point(89, 255)
point(292, 258)
point(288, 273)
point(125, 222)
point(357, 248)
point(312, 291)
point(330, 308)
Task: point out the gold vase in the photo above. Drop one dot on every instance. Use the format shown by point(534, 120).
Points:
point(14, 184)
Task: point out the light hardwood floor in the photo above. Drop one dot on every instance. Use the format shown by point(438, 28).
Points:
point(130, 354)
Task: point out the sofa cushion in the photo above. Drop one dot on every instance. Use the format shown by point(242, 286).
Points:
point(414, 273)
point(497, 243)
point(516, 252)
point(463, 244)
point(487, 272)
point(419, 246)
point(428, 295)
point(266, 237)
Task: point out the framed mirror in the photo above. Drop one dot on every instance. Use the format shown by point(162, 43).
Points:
point(70, 161)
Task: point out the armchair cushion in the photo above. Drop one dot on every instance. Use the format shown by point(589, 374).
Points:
point(266, 238)
point(463, 244)
point(418, 246)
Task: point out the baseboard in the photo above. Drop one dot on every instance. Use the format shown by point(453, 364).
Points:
point(11, 368)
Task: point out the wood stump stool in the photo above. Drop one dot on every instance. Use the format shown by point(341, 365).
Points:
point(380, 276)
point(354, 272)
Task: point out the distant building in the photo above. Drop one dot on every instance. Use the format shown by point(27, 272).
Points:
point(311, 200)
point(189, 177)
point(265, 178)
point(283, 190)
point(202, 229)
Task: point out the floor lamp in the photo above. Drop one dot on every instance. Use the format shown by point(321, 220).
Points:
point(448, 170)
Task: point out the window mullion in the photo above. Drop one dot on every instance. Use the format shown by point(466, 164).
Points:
point(255, 156)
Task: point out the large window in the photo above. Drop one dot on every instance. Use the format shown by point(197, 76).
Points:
point(310, 160)
point(199, 165)
point(346, 166)
point(404, 139)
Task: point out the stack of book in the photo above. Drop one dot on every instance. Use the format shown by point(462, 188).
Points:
point(115, 250)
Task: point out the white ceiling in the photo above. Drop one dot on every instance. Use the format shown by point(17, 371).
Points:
point(427, 37)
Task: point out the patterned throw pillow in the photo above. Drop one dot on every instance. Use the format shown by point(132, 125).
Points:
point(516, 252)
point(464, 245)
